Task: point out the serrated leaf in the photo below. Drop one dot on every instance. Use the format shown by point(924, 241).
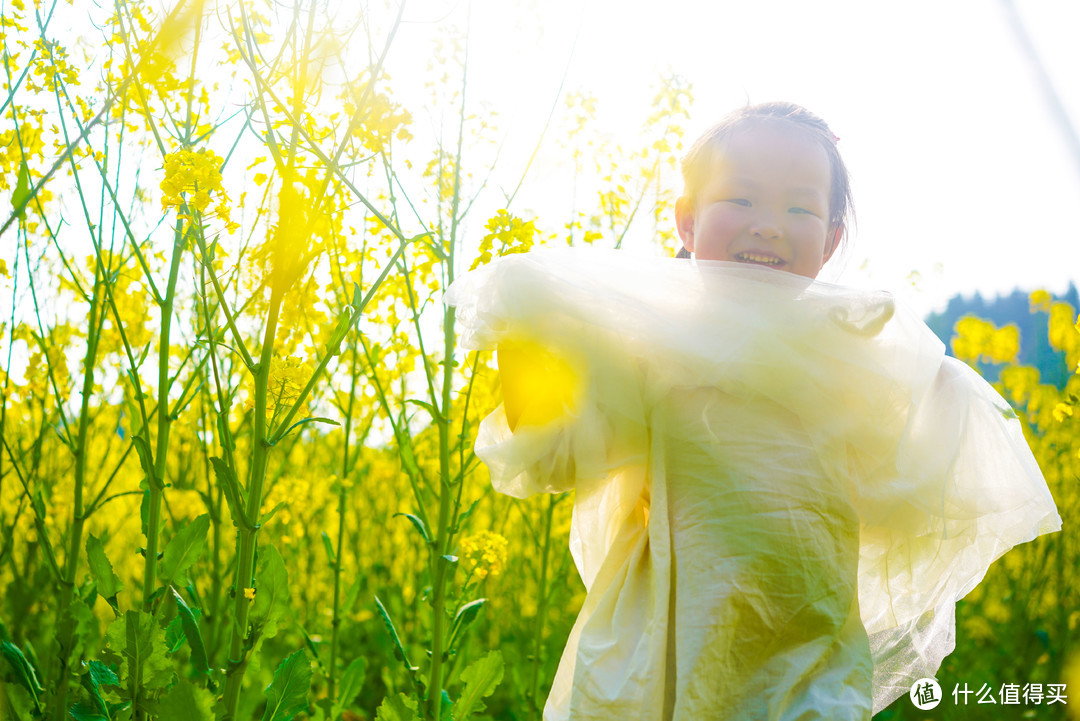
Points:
point(86, 711)
point(189, 619)
point(271, 592)
point(182, 551)
point(351, 683)
point(419, 524)
point(481, 679)
point(398, 708)
point(108, 583)
point(174, 635)
point(287, 694)
point(234, 494)
point(185, 702)
point(96, 676)
point(101, 674)
point(399, 650)
point(142, 641)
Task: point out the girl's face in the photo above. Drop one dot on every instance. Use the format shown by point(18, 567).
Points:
point(766, 202)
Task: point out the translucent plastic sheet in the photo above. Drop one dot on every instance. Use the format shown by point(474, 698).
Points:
point(782, 486)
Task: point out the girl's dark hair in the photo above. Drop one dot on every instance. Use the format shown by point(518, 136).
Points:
point(699, 162)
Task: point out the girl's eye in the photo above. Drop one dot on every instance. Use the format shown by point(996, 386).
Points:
point(739, 201)
point(801, 210)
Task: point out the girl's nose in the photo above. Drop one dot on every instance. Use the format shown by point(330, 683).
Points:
point(765, 228)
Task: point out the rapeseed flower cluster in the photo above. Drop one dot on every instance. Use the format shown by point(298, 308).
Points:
point(512, 234)
point(381, 121)
point(192, 181)
point(979, 340)
point(50, 62)
point(483, 554)
point(288, 376)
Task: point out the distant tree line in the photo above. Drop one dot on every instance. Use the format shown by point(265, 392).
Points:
point(1013, 308)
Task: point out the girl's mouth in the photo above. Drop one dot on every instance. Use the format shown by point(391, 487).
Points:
point(759, 259)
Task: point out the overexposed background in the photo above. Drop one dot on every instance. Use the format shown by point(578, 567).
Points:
point(964, 180)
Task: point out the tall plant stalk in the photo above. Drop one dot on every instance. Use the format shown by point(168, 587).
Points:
point(71, 563)
point(248, 534)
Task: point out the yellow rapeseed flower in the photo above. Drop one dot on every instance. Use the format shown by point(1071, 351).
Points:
point(1040, 300)
point(1062, 411)
point(506, 234)
point(249, 594)
point(193, 177)
point(484, 554)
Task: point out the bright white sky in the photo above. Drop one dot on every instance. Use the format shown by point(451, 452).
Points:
point(959, 171)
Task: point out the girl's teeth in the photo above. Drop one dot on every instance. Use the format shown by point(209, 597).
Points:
point(754, 258)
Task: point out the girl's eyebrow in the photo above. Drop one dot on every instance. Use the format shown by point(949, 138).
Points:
point(753, 184)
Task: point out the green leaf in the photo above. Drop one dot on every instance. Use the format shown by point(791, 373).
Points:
point(465, 516)
point(399, 650)
point(182, 551)
point(234, 494)
point(405, 452)
point(279, 436)
point(271, 592)
point(287, 694)
point(481, 679)
point(351, 683)
point(329, 546)
point(86, 711)
point(24, 671)
point(174, 635)
point(270, 514)
point(96, 674)
point(465, 616)
point(189, 619)
point(141, 641)
point(185, 702)
point(21, 195)
point(357, 297)
point(419, 524)
point(108, 583)
point(146, 460)
point(225, 438)
point(340, 331)
point(398, 708)
point(352, 594)
point(102, 675)
point(435, 415)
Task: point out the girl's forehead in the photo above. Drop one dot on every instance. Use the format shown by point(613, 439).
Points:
point(771, 153)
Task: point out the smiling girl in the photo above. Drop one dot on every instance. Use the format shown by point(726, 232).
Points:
point(782, 486)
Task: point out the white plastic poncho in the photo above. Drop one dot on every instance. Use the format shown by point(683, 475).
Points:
point(782, 486)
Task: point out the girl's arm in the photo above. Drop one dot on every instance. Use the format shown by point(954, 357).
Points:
point(537, 385)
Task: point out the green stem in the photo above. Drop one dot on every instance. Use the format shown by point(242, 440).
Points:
point(71, 564)
point(336, 622)
point(541, 610)
point(156, 483)
point(249, 535)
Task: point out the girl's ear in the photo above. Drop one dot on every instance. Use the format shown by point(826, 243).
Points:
point(836, 232)
point(684, 221)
